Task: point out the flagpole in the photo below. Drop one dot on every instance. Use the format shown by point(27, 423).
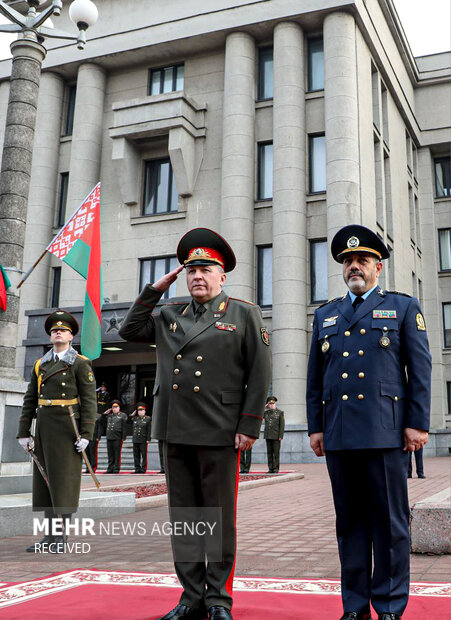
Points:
point(32, 268)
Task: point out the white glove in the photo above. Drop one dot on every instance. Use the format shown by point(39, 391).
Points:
point(81, 444)
point(25, 442)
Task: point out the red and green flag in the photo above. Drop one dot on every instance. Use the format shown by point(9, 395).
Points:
point(78, 245)
point(4, 286)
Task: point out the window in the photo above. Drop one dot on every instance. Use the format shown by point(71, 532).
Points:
point(317, 164)
point(56, 285)
point(264, 284)
point(166, 79)
point(444, 241)
point(64, 184)
point(318, 271)
point(160, 192)
point(447, 324)
point(152, 269)
point(315, 64)
point(442, 177)
point(265, 171)
point(70, 109)
point(265, 89)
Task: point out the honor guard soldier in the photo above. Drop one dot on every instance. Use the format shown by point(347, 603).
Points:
point(60, 379)
point(141, 437)
point(212, 378)
point(116, 432)
point(274, 430)
point(368, 405)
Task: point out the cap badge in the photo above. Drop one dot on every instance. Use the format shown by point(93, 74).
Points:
point(59, 323)
point(200, 252)
point(353, 242)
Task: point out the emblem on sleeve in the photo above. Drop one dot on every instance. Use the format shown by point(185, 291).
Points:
point(90, 376)
point(264, 335)
point(421, 325)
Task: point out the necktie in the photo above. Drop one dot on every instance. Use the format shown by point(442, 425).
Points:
point(199, 312)
point(356, 302)
point(57, 358)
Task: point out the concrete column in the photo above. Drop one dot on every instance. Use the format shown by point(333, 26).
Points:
point(42, 199)
point(238, 161)
point(289, 310)
point(86, 149)
point(342, 132)
point(431, 293)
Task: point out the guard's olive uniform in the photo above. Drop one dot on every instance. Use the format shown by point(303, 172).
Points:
point(116, 432)
point(274, 430)
point(53, 386)
point(141, 435)
point(212, 379)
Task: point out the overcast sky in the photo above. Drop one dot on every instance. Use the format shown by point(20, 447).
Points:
point(427, 24)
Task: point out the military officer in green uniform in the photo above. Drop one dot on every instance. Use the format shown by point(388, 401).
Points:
point(59, 379)
point(141, 437)
point(116, 432)
point(274, 430)
point(103, 402)
point(245, 461)
point(212, 378)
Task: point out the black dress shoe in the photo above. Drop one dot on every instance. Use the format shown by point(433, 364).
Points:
point(185, 612)
point(58, 545)
point(219, 613)
point(389, 616)
point(36, 547)
point(421, 476)
point(356, 615)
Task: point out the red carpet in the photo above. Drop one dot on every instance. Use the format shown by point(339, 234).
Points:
point(114, 595)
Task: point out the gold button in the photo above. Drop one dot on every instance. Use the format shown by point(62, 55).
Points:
point(345, 375)
point(175, 386)
point(176, 371)
point(344, 397)
point(198, 373)
point(199, 358)
point(178, 357)
point(361, 352)
point(64, 374)
point(396, 398)
point(347, 333)
point(361, 375)
point(63, 383)
point(345, 354)
point(324, 402)
point(363, 332)
point(385, 328)
point(360, 396)
point(40, 406)
point(196, 388)
point(63, 394)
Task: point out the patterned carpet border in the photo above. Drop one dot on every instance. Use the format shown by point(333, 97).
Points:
point(27, 591)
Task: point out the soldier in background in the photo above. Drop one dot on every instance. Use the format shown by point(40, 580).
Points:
point(103, 402)
point(141, 437)
point(245, 461)
point(418, 464)
point(60, 379)
point(274, 430)
point(116, 432)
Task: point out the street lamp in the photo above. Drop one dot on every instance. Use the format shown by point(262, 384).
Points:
point(28, 54)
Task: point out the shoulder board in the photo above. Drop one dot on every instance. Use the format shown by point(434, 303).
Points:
point(398, 293)
point(243, 300)
point(83, 357)
point(329, 302)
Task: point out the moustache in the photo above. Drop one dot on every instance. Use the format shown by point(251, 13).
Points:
point(356, 273)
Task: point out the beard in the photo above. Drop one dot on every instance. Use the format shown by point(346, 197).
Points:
point(356, 285)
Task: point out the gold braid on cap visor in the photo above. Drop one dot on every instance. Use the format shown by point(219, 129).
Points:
point(360, 248)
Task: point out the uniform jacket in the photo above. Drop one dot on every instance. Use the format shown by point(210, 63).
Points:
point(116, 427)
point(362, 394)
point(103, 401)
point(212, 376)
point(64, 380)
point(274, 424)
point(141, 429)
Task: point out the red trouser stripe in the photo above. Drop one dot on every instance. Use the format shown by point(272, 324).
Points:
point(229, 582)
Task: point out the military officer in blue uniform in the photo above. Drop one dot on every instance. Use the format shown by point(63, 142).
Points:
point(368, 405)
point(212, 378)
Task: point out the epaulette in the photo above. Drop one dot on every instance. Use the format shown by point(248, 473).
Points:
point(329, 302)
point(398, 293)
point(83, 357)
point(243, 300)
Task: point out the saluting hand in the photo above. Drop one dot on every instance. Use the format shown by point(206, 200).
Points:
point(165, 282)
point(414, 439)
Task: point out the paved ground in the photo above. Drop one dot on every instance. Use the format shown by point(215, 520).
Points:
point(284, 530)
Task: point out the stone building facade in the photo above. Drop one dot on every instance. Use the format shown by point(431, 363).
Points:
point(273, 122)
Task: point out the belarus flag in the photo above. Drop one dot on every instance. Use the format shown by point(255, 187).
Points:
point(78, 245)
point(4, 286)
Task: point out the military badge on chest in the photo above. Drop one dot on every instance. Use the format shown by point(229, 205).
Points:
point(173, 327)
point(326, 345)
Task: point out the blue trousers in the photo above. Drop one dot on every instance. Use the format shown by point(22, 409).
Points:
point(372, 519)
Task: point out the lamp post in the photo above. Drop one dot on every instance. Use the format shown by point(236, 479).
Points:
point(28, 54)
